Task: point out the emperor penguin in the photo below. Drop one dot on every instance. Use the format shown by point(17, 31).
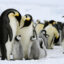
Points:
point(52, 32)
point(10, 19)
point(36, 52)
point(55, 24)
point(44, 36)
point(17, 49)
point(26, 32)
point(52, 22)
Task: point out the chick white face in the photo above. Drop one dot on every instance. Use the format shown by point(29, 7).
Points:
point(18, 38)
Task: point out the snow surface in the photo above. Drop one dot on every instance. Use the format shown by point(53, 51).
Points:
point(54, 56)
point(43, 10)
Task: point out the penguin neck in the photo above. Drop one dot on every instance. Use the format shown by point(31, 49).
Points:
point(27, 28)
point(27, 23)
point(13, 23)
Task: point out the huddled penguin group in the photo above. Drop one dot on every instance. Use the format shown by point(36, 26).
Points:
point(15, 36)
point(24, 38)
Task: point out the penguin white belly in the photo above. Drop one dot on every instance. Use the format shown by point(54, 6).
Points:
point(13, 24)
point(26, 33)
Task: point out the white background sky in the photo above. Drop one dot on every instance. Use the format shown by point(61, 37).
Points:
point(39, 9)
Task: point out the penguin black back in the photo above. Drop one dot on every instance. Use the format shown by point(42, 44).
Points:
point(6, 29)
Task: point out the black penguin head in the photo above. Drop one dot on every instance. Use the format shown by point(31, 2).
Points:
point(52, 22)
point(46, 24)
point(37, 21)
point(12, 12)
point(28, 20)
point(45, 33)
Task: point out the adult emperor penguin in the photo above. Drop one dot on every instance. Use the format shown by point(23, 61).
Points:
point(10, 19)
point(52, 32)
point(26, 32)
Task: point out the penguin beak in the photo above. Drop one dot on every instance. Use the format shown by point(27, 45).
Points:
point(54, 22)
point(27, 19)
point(16, 14)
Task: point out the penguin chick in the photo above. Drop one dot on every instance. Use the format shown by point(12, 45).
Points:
point(17, 49)
point(35, 49)
point(26, 32)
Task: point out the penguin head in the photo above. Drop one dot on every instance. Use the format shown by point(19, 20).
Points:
point(45, 33)
point(11, 13)
point(28, 20)
point(52, 22)
point(46, 23)
point(37, 21)
point(18, 37)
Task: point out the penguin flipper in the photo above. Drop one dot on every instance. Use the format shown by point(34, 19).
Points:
point(10, 32)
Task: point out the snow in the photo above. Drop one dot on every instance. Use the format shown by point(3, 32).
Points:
point(54, 56)
point(43, 10)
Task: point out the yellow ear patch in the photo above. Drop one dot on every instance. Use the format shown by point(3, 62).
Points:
point(16, 14)
point(54, 22)
point(27, 19)
point(57, 37)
